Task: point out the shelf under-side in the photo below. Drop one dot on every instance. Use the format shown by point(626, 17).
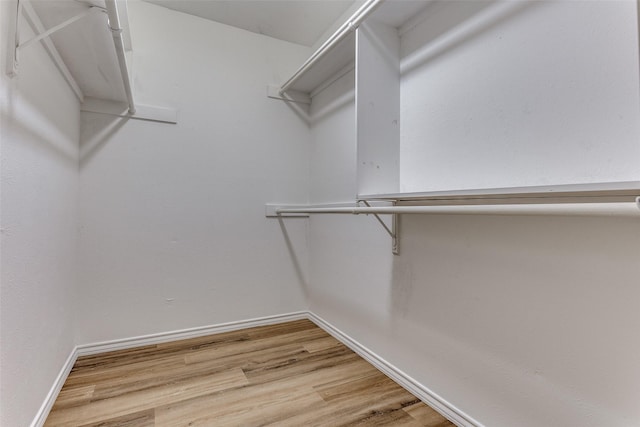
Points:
point(593, 192)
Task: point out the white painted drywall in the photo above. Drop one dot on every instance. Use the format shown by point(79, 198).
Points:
point(501, 94)
point(39, 132)
point(333, 148)
point(378, 108)
point(519, 321)
point(173, 233)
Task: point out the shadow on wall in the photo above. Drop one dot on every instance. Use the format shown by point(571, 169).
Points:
point(514, 312)
point(313, 117)
point(96, 132)
point(441, 360)
point(449, 25)
point(300, 110)
point(295, 261)
point(25, 119)
point(402, 284)
point(357, 313)
point(546, 275)
point(334, 106)
point(541, 298)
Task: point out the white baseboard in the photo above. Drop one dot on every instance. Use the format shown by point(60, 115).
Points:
point(457, 416)
point(44, 410)
point(445, 408)
point(123, 344)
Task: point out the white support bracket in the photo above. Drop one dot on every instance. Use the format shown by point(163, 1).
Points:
point(630, 207)
point(25, 7)
point(393, 232)
point(289, 96)
point(121, 109)
point(271, 210)
point(275, 210)
point(60, 26)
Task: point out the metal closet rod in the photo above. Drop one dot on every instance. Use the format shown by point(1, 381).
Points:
point(568, 208)
point(342, 32)
point(116, 31)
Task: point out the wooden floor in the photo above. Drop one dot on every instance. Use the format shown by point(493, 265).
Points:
point(291, 374)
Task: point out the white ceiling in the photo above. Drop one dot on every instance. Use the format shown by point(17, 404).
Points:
point(297, 21)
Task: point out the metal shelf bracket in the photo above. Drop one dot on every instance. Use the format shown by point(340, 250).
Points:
point(17, 46)
point(25, 8)
point(627, 205)
point(394, 232)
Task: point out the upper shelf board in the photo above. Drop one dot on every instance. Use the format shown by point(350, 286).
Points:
point(606, 191)
point(86, 46)
point(331, 61)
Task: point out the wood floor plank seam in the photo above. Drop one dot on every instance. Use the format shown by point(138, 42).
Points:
point(288, 374)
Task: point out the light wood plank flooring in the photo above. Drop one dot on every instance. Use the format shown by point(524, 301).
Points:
point(291, 374)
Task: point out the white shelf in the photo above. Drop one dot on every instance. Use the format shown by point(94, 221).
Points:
point(91, 61)
point(603, 192)
point(332, 59)
point(390, 32)
point(330, 64)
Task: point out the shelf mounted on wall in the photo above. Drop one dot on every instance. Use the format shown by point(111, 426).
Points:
point(115, 27)
point(377, 51)
point(330, 61)
point(605, 199)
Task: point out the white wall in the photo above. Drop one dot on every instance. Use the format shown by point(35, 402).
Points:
point(173, 230)
point(521, 321)
point(39, 135)
point(333, 148)
point(504, 94)
point(518, 321)
point(515, 320)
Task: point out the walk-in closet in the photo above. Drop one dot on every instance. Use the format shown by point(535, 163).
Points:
point(320, 213)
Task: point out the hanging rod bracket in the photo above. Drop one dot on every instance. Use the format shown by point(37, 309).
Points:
point(271, 211)
point(289, 96)
point(393, 232)
point(630, 207)
point(395, 228)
